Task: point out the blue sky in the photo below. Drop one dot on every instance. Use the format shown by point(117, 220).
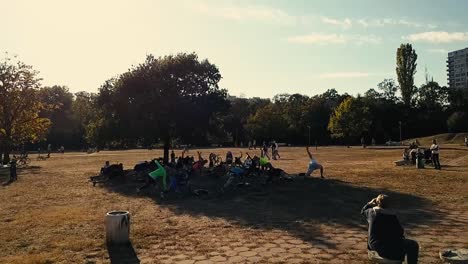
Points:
point(262, 48)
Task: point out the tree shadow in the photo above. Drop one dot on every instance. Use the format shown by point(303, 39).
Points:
point(296, 206)
point(122, 254)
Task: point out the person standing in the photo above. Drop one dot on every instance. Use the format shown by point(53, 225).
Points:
point(13, 173)
point(49, 149)
point(466, 141)
point(435, 154)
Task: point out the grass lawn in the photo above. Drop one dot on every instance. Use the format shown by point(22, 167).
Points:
point(53, 215)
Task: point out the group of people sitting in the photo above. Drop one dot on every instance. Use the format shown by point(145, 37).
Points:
point(430, 155)
point(176, 173)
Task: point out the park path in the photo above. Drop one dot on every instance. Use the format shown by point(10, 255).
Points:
point(335, 244)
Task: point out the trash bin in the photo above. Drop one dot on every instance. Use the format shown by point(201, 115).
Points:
point(117, 227)
point(420, 160)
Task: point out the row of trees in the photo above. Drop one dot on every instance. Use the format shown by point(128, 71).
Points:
point(176, 99)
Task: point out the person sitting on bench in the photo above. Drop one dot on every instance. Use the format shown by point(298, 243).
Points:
point(386, 235)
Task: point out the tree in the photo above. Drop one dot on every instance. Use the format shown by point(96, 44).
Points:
point(268, 123)
point(458, 122)
point(162, 99)
point(389, 89)
point(64, 129)
point(431, 96)
point(350, 120)
point(19, 106)
point(406, 69)
point(86, 114)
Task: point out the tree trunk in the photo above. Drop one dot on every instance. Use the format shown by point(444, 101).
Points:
point(117, 227)
point(166, 152)
point(6, 156)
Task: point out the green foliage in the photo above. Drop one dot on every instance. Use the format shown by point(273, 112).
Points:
point(64, 129)
point(19, 106)
point(162, 99)
point(389, 89)
point(458, 122)
point(350, 119)
point(406, 69)
point(432, 96)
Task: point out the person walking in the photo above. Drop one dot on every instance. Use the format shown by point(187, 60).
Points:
point(435, 154)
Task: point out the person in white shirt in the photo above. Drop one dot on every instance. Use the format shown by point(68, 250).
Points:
point(435, 154)
point(466, 141)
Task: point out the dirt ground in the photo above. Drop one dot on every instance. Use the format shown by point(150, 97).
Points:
point(53, 215)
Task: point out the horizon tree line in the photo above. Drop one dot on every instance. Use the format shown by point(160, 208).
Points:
point(176, 99)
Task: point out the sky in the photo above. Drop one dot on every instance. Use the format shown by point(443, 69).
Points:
point(262, 48)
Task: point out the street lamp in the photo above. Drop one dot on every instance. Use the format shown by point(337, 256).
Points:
point(399, 122)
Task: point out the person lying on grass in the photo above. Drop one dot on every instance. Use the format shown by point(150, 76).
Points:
point(386, 235)
point(313, 165)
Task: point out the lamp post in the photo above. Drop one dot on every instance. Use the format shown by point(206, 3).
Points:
point(399, 122)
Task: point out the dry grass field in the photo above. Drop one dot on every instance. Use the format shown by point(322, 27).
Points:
point(53, 215)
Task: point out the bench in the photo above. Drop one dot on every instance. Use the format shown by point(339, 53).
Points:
point(375, 258)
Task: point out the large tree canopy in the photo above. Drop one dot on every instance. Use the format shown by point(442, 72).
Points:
point(162, 99)
point(350, 119)
point(19, 106)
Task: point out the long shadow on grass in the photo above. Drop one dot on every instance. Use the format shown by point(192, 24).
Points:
point(122, 254)
point(297, 207)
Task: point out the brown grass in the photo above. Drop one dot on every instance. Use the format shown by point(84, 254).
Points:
point(53, 215)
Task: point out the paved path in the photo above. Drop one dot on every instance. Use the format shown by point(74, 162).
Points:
point(341, 244)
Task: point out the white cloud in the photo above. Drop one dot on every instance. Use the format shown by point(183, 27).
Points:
point(246, 13)
point(438, 37)
point(345, 23)
point(320, 38)
point(444, 51)
point(336, 75)
point(381, 22)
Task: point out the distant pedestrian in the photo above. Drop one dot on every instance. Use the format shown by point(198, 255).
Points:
point(466, 141)
point(250, 144)
point(363, 142)
point(265, 149)
point(13, 174)
point(373, 141)
point(173, 159)
point(435, 154)
point(274, 150)
point(49, 149)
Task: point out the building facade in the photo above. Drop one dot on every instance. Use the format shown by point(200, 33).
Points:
point(457, 69)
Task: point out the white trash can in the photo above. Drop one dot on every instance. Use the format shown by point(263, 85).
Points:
point(117, 227)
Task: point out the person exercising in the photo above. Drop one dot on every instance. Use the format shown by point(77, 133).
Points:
point(153, 176)
point(313, 165)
